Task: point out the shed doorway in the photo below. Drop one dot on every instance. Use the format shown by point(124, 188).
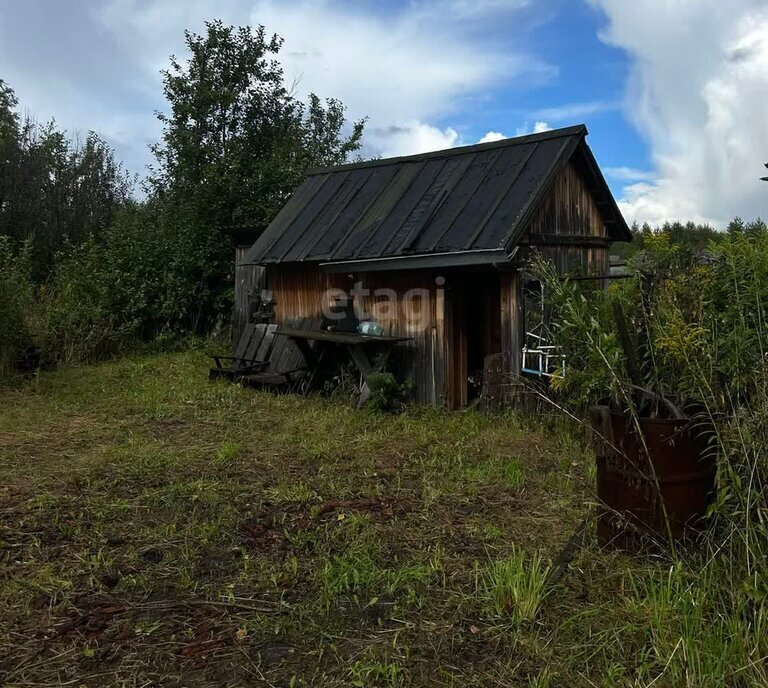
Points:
point(475, 333)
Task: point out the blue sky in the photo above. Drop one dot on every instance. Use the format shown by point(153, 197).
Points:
point(586, 84)
point(674, 92)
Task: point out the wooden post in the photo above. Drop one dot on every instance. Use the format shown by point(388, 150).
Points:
point(511, 325)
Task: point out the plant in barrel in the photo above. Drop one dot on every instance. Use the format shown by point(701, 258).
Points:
point(655, 463)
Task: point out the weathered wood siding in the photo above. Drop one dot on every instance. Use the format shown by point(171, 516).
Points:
point(455, 353)
point(575, 260)
point(568, 230)
point(569, 208)
point(416, 311)
point(300, 292)
point(512, 325)
point(568, 213)
point(405, 303)
point(472, 307)
point(249, 281)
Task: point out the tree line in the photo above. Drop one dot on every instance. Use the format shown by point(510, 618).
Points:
point(690, 236)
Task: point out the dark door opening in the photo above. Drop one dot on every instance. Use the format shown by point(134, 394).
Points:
point(476, 352)
point(476, 333)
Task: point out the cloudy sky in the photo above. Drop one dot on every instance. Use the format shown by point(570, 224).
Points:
point(674, 92)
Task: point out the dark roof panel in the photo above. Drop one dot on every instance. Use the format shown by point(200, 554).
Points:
point(463, 199)
point(306, 219)
point(522, 195)
point(375, 180)
point(408, 187)
point(471, 221)
point(436, 234)
point(326, 219)
point(285, 217)
point(395, 228)
point(389, 198)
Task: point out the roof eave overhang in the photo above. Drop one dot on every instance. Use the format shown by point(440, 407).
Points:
point(618, 228)
point(491, 257)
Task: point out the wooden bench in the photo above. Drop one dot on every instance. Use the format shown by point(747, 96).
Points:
point(250, 354)
point(287, 366)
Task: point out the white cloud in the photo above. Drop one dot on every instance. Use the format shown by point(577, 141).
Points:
point(698, 92)
point(417, 137)
point(96, 65)
point(403, 71)
point(576, 111)
point(413, 137)
point(492, 136)
point(474, 8)
point(538, 128)
point(376, 66)
point(629, 174)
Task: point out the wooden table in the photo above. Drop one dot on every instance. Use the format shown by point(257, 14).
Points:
point(357, 346)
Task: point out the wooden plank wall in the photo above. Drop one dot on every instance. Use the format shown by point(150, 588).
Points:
point(455, 352)
point(420, 314)
point(569, 208)
point(299, 291)
point(469, 291)
point(512, 321)
point(568, 212)
point(576, 260)
point(249, 281)
point(302, 291)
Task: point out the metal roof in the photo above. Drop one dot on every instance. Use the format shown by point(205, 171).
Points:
point(472, 200)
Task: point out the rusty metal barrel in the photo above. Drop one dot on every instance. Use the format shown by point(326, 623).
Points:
point(660, 485)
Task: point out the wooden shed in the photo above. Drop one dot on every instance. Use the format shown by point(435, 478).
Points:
point(433, 246)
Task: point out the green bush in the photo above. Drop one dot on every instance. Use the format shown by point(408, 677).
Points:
point(74, 319)
point(387, 394)
point(699, 325)
point(16, 299)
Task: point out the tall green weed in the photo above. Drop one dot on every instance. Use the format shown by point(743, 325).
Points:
point(16, 299)
point(699, 327)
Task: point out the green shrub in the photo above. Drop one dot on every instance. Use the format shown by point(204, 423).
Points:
point(699, 324)
point(16, 299)
point(387, 394)
point(75, 321)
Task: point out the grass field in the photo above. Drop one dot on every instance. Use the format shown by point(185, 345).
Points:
point(158, 529)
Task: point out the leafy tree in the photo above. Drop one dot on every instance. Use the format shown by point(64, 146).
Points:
point(235, 145)
point(691, 237)
point(735, 226)
point(9, 142)
point(85, 270)
point(16, 298)
point(755, 229)
point(236, 142)
point(54, 191)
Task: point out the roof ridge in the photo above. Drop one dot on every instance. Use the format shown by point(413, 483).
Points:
point(578, 129)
